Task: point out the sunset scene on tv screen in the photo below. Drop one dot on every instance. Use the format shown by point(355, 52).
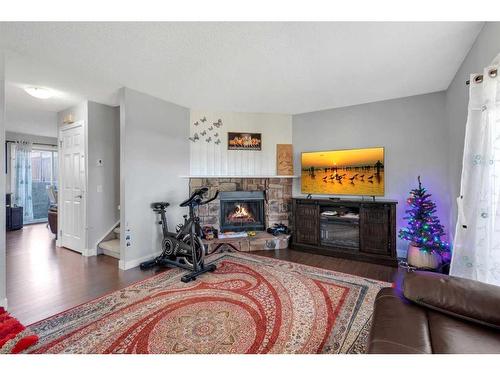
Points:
point(344, 172)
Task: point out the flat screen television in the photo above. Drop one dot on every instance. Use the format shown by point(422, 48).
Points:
point(343, 172)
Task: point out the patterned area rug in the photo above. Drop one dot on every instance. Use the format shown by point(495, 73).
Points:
point(250, 304)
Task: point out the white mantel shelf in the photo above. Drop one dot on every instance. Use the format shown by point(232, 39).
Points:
point(257, 176)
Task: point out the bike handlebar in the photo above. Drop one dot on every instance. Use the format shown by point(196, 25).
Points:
point(211, 199)
point(196, 199)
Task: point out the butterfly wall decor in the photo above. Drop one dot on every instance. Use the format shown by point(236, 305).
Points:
point(206, 126)
point(217, 124)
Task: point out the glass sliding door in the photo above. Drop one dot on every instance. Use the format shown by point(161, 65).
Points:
point(44, 174)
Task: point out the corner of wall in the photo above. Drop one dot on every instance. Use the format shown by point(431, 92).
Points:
point(3, 262)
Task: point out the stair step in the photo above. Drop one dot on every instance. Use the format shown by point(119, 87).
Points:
point(117, 232)
point(111, 247)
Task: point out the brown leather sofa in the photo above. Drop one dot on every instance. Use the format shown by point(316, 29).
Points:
point(434, 313)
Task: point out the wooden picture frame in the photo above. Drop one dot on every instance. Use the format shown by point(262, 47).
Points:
point(244, 141)
point(284, 160)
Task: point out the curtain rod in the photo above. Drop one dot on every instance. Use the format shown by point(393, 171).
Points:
point(35, 143)
point(479, 78)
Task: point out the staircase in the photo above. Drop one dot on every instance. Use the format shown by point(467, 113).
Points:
point(111, 246)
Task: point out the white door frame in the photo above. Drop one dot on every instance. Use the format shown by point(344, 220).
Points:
point(85, 251)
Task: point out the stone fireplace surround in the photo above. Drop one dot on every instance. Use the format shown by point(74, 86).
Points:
point(277, 204)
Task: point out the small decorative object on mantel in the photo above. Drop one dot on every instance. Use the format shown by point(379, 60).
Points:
point(68, 119)
point(426, 250)
point(284, 160)
point(244, 141)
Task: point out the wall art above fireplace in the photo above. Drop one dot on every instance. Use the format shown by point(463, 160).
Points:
point(244, 141)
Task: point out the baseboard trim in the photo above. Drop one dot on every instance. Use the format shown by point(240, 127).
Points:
point(126, 265)
point(3, 303)
point(89, 252)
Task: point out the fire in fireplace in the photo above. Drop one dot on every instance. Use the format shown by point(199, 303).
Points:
point(242, 210)
point(241, 213)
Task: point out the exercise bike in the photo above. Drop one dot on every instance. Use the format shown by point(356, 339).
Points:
point(183, 249)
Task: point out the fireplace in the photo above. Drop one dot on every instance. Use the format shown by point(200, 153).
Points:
point(241, 211)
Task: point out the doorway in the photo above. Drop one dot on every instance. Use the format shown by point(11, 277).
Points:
point(44, 166)
point(32, 175)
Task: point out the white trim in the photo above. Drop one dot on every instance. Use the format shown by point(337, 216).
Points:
point(106, 235)
point(3, 303)
point(39, 147)
point(135, 262)
point(89, 252)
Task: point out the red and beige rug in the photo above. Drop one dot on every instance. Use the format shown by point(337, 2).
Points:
point(14, 337)
point(250, 304)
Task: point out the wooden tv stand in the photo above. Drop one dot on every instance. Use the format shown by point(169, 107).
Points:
point(357, 229)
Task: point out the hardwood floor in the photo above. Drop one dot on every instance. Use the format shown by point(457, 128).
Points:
point(43, 279)
point(363, 269)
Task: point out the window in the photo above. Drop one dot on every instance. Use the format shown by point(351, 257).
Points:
point(44, 174)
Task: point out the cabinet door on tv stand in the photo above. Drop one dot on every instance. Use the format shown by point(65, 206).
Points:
point(375, 229)
point(307, 223)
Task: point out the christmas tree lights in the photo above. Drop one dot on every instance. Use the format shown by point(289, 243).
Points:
point(424, 229)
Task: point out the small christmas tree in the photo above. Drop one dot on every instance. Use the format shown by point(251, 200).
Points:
point(424, 229)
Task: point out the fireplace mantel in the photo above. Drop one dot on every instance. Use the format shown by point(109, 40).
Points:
point(236, 176)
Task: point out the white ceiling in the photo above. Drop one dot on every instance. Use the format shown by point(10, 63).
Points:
point(276, 67)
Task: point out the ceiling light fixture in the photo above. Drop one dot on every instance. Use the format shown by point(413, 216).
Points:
point(39, 92)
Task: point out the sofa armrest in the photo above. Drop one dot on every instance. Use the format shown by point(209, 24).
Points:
point(466, 299)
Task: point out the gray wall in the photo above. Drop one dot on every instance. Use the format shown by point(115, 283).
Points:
point(31, 121)
point(413, 131)
point(154, 153)
point(484, 50)
point(3, 279)
point(103, 195)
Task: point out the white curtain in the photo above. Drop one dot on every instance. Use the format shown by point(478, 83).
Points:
point(23, 179)
point(476, 251)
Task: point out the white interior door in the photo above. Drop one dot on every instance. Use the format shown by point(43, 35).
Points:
point(72, 188)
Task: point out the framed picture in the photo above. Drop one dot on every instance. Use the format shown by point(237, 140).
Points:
point(244, 141)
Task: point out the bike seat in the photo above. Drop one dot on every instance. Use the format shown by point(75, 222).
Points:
point(195, 197)
point(159, 205)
